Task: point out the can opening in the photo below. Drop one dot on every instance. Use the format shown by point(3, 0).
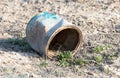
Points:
point(65, 40)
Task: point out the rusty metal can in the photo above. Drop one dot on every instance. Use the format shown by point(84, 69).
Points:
point(48, 33)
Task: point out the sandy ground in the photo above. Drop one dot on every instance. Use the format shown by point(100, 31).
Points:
point(99, 21)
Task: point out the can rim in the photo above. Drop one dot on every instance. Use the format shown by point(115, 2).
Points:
point(58, 31)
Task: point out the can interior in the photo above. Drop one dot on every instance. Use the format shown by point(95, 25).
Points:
point(65, 40)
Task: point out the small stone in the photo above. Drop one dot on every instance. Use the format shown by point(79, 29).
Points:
point(89, 73)
point(117, 28)
point(109, 61)
point(95, 32)
point(0, 19)
point(118, 49)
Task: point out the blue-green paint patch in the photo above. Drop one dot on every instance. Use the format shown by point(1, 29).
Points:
point(48, 15)
point(42, 16)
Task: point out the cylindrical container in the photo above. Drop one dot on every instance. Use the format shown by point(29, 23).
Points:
point(48, 34)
